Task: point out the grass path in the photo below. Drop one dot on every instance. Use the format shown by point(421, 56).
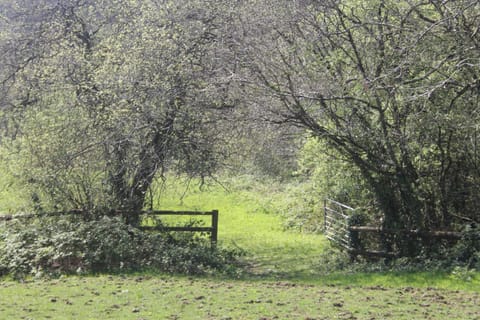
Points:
point(246, 223)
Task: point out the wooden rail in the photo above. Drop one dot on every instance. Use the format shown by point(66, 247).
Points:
point(213, 229)
point(338, 229)
point(421, 233)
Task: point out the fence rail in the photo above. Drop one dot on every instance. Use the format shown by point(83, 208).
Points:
point(338, 229)
point(213, 229)
point(444, 234)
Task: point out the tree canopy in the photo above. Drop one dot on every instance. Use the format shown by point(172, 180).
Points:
point(112, 94)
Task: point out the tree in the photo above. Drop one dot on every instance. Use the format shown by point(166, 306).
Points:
point(113, 94)
point(392, 86)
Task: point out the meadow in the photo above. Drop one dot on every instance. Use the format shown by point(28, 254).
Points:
point(280, 276)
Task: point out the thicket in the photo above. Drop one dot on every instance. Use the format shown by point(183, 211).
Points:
point(461, 260)
point(50, 246)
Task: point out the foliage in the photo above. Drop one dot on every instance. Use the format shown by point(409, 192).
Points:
point(467, 250)
point(323, 174)
point(387, 86)
point(52, 246)
point(463, 273)
point(331, 175)
point(107, 95)
point(14, 195)
point(263, 149)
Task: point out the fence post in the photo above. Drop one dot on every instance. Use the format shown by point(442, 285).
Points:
point(353, 239)
point(214, 234)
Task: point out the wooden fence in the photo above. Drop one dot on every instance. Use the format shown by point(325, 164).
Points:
point(212, 229)
point(339, 230)
point(358, 248)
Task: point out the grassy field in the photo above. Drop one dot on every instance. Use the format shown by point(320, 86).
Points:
point(281, 278)
point(167, 297)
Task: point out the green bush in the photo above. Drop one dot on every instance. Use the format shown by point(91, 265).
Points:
point(50, 246)
point(321, 174)
point(331, 176)
point(466, 252)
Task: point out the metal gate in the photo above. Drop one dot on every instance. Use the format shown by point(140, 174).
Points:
point(336, 225)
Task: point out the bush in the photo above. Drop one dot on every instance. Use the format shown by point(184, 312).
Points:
point(331, 175)
point(51, 246)
point(466, 252)
point(322, 173)
point(462, 260)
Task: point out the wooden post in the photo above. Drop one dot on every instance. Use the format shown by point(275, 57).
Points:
point(214, 234)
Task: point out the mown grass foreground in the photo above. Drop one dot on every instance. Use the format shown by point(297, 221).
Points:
point(157, 297)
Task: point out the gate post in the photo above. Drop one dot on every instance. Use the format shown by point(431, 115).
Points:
point(214, 234)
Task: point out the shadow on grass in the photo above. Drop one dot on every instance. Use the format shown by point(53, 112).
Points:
point(416, 279)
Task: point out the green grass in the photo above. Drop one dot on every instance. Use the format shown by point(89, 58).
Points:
point(248, 221)
point(169, 297)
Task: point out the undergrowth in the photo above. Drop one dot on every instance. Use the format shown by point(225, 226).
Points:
point(452, 263)
point(57, 245)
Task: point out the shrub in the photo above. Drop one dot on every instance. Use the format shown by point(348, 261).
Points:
point(321, 174)
point(462, 260)
point(66, 245)
point(466, 252)
point(331, 175)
